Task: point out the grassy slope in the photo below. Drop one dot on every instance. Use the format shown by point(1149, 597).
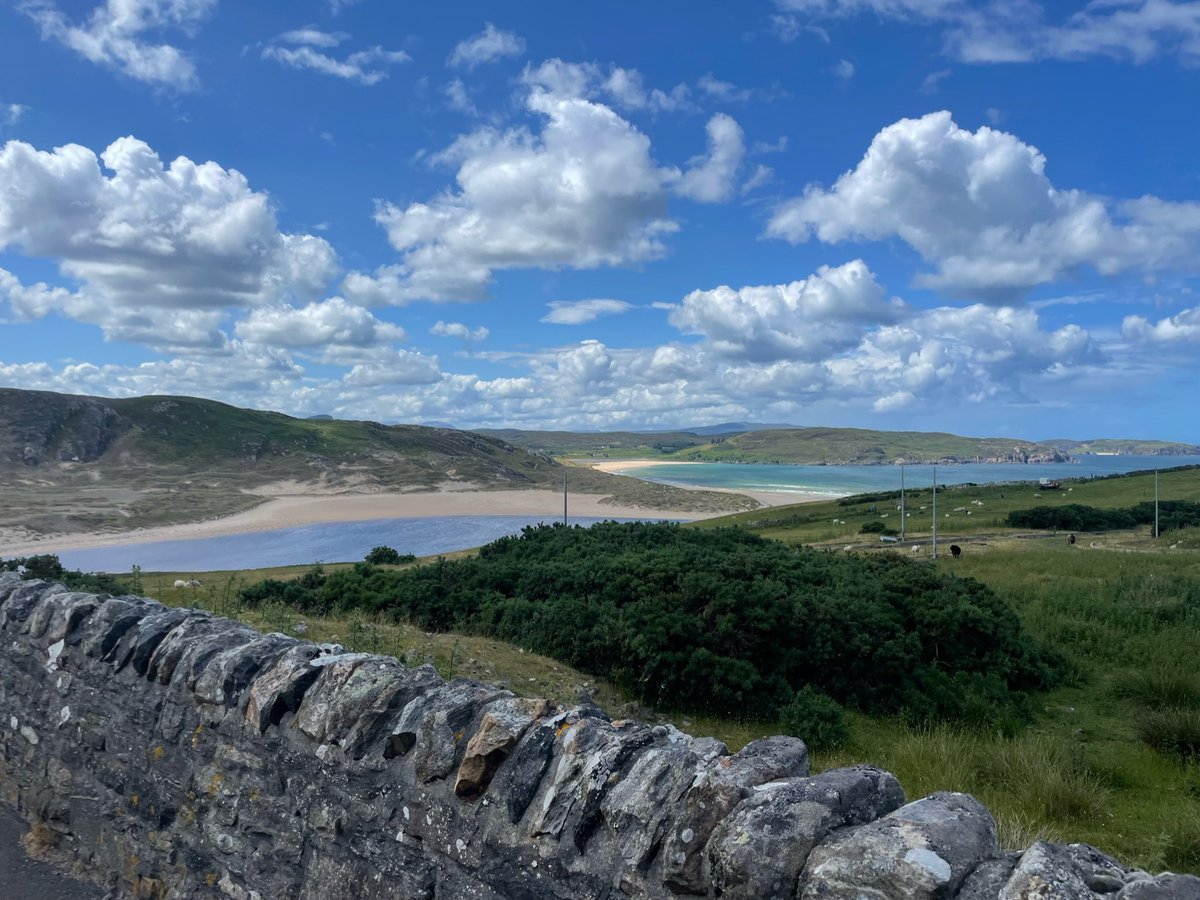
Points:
point(857, 446)
point(784, 445)
point(813, 523)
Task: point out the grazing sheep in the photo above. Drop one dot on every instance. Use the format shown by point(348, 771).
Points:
point(955, 551)
point(180, 583)
point(916, 549)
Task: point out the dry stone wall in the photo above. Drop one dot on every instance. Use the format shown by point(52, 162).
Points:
point(177, 754)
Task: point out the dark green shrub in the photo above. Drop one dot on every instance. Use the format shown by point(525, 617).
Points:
point(715, 621)
point(876, 528)
point(388, 556)
point(45, 566)
point(1172, 514)
point(816, 719)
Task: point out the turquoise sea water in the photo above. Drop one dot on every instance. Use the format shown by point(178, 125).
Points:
point(815, 482)
point(342, 541)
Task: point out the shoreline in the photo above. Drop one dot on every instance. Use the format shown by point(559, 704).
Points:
point(281, 511)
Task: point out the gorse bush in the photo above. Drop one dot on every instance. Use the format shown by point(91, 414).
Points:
point(718, 621)
point(876, 528)
point(817, 719)
point(388, 556)
point(47, 567)
point(1172, 515)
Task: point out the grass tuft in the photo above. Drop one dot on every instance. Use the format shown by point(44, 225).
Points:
point(1173, 731)
point(1160, 687)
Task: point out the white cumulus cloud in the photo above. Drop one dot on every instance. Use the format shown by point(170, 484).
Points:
point(979, 206)
point(117, 35)
point(332, 322)
point(1134, 30)
point(711, 178)
point(579, 312)
point(1181, 328)
point(488, 46)
point(147, 242)
point(304, 49)
point(459, 330)
point(581, 193)
point(809, 319)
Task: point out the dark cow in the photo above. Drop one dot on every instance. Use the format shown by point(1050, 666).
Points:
point(955, 551)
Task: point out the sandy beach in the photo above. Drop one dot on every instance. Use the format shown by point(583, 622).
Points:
point(289, 510)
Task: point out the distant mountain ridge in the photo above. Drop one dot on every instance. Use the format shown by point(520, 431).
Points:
point(790, 445)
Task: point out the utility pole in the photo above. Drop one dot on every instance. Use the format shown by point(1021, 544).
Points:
point(564, 496)
point(902, 517)
point(933, 555)
point(1156, 504)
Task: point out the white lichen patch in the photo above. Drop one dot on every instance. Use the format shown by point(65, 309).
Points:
point(931, 863)
point(54, 652)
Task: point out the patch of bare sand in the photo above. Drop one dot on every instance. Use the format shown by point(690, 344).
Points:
point(282, 510)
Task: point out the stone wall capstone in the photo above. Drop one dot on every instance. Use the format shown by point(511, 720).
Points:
point(173, 753)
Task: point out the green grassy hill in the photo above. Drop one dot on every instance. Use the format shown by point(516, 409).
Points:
point(71, 463)
point(856, 446)
point(1125, 447)
point(811, 446)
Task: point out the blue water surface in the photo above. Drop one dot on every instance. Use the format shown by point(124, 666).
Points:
point(813, 482)
point(327, 542)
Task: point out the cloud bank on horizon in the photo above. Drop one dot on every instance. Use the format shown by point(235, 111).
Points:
point(923, 214)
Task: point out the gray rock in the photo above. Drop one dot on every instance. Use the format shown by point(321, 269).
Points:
point(760, 849)
point(924, 849)
point(989, 878)
point(280, 689)
point(1165, 887)
point(1072, 872)
point(642, 807)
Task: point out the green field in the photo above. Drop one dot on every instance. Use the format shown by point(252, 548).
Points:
point(1112, 757)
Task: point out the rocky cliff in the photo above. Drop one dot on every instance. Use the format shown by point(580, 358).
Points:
point(177, 754)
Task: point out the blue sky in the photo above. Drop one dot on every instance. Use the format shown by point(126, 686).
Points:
point(926, 214)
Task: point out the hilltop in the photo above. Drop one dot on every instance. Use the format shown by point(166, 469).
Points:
point(74, 463)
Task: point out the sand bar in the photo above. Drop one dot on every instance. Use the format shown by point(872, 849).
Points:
point(290, 510)
point(616, 466)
